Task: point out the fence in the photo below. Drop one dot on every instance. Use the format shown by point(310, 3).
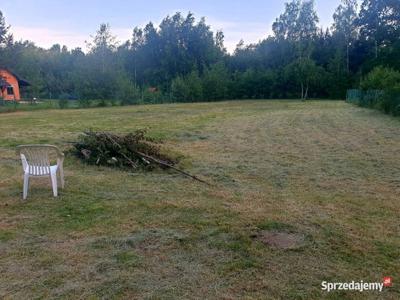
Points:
point(367, 98)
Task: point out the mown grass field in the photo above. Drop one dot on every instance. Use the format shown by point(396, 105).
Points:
point(327, 171)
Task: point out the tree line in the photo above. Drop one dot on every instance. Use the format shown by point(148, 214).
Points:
point(183, 60)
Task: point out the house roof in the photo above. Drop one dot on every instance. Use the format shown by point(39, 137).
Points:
point(3, 83)
point(21, 82)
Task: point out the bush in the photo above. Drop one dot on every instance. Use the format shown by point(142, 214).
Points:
point(390, 102)
point(187, 89)
point(179, 90)
point(63, 103)
point(84, 103)
point(152, 96)
point(381, 78)
point(102, 103)
point(216, 82)
point(128, 93)
point(381, 90)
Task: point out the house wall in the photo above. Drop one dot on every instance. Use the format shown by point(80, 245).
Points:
point(7, 76)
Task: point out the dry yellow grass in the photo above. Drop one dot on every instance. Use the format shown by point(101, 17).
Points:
point(326, 170)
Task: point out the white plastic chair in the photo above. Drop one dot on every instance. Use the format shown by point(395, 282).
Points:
point(36, 162)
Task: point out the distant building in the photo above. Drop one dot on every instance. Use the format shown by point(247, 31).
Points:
point(10, 84)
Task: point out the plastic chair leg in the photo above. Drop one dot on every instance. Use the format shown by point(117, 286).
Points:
point(26, 186)
point(61, 170)
point(53, 177)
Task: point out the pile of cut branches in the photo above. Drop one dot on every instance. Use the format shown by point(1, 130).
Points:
point(134, 150)
point(124, 151)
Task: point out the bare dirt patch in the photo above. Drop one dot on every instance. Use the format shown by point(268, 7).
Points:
point(281, 240)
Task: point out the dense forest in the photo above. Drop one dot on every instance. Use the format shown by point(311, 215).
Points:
point(181, 59)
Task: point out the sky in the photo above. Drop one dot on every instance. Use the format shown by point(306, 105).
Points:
point(71, 22)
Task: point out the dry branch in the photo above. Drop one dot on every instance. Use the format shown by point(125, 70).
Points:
point(134, 150)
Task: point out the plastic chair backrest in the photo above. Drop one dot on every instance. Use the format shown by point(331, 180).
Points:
point(37, 157)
